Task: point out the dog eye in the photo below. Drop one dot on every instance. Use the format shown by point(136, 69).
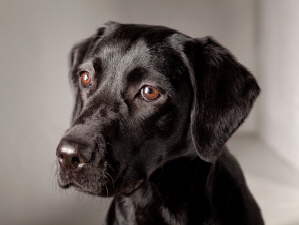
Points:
point(149, 93)
point(85, 79)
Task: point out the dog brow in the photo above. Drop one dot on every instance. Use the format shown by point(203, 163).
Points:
point(136, 75)
point(86, 66)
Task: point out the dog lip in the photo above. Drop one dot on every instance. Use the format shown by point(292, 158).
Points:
point(65, 185)
point(65, 180)
point(70, 184)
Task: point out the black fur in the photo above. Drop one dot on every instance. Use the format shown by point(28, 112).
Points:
point(163, 161)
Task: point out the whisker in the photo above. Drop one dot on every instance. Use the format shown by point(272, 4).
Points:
point(107, 191)
point(111, 167)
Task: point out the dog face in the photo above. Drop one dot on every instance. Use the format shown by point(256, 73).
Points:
point(145, 95)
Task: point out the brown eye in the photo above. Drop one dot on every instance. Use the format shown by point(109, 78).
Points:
point(85, 79)
point(149, 93)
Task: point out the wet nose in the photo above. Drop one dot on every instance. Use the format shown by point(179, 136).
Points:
point(72, 155)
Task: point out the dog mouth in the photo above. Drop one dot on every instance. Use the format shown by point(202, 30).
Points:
point(105, 190)
point(99, 191)
point(75, 185)
point(101, 187)
point(63, 184)
point(82, 183)
point(65, 180)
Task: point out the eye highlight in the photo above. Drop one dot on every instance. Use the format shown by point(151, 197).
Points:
point(149, 93)
point(85, 78)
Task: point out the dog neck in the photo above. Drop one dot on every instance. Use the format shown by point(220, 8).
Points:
point(173, 194)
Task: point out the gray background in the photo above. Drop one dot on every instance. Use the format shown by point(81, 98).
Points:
point(36, 101)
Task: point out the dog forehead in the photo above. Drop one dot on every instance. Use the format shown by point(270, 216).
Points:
point(119, 38)
point(123, 56)
point(123, 48)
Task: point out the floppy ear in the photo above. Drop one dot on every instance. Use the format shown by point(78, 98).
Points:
point(76, 57)
point(224, 92)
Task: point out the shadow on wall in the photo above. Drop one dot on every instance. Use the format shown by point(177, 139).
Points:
point(84, 211)
point(295, 223)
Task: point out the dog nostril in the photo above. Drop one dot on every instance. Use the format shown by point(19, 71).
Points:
point(75, 160)
point(72, 155)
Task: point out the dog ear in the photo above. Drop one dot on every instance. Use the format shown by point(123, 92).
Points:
point(224, 92)
point(76, 57)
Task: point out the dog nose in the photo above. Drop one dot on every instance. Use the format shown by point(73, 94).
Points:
point(72, 155)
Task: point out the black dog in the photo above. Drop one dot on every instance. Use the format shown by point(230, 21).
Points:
point(153, 110)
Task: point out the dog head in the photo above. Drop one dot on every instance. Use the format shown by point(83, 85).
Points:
point(145, 95)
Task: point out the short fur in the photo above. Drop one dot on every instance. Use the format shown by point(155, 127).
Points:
point(163, 161)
